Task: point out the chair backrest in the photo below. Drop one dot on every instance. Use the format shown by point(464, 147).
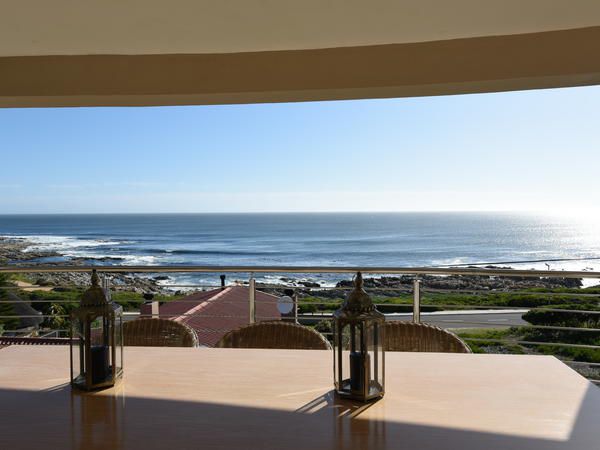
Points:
point(147, 332)
point(282, 335)
point(403, 336)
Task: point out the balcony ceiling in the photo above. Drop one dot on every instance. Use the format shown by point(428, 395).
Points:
point(151, 52)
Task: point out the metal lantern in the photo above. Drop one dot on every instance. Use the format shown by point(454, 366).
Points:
point(358, 336)
point(96, 339)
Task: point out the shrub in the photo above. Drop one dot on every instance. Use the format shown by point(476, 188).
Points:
point(6, 309)
point(563, 318)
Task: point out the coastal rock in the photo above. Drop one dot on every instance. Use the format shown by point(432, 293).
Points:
point(309, 284)
point(13, 250)
point(395, 285)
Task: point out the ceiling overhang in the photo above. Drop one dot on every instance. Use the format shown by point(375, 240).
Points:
point(53, 72)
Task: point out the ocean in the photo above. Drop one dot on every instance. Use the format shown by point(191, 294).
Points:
point(305, 239)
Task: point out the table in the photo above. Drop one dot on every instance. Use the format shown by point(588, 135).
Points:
point(186, 398)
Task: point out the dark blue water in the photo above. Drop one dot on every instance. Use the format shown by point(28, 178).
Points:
point(362, 239)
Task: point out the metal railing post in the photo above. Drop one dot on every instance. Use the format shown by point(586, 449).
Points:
point(105, 283)
point(154, 309)
point(252, 299)
point(417, 301)
point(295, 298)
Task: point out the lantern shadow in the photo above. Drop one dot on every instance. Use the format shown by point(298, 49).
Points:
point(350, 431)
point(57, 388)
point(345, 408)
point(71, 420)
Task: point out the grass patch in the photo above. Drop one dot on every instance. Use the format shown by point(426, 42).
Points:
point(485, 340)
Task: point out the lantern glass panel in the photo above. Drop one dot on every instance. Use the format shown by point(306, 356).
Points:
point(359, 360)
point(380, 356)
point(374, 338)
point(342, 350)
point(337, 372)
point(77, 340)
point(99, 349)
point(372, 351)
point(118, 344)
point(98, 331)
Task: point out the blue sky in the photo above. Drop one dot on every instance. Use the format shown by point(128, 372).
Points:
point(527, 151)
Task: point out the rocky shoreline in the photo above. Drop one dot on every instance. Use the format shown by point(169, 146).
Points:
point(14, 251)
point(391, 286)
point(18, 252)
point(465, 283)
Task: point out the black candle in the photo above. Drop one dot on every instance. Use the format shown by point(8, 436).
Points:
point(99, 363)
point(359, 370)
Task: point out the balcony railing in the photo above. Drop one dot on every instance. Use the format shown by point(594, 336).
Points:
point(489, 320)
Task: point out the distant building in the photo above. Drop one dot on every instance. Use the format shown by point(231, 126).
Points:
point(213, 313)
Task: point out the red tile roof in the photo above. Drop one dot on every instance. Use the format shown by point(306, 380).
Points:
point(213, 313)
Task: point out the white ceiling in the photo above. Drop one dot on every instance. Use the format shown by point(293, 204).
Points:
point(69, 27)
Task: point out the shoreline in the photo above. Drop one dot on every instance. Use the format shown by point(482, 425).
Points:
point(20, 250)
point(13, 252)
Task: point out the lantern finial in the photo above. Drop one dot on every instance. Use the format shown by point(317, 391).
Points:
point(358, 281)
point(358, 301)
point(95, 295)
point(95, 278)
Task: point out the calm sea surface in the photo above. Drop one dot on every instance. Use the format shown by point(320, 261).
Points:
point(381, 239)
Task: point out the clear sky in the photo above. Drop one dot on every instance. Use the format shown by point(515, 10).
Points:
point(531, 150)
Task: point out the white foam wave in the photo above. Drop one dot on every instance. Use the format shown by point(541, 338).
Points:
point(576, 266)
point(120, 258)
point(62, 243)
point(74, 247)
point(452, 261)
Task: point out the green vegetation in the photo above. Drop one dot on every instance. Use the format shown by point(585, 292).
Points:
point(131, 301)
point(486, 340)
point(568, 318)
point(21, 277)
point(532, 298)
point(5, 308)
point(313, 304)
point(585, 333)
point(61, 301)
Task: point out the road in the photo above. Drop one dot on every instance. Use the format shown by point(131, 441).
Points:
point(457, 319)
point(468, 319)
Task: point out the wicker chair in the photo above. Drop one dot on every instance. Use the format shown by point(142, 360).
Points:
point(158, 333)
point(421, 337)
point(282, 335)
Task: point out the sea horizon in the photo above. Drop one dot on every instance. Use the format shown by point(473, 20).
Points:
point(465, 211)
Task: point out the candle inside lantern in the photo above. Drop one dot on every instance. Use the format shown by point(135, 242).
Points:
point(359, 370)
point(99, 367)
